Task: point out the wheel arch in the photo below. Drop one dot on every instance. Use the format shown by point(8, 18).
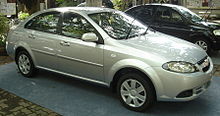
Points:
point(141, 68)
point(204, 35)
point(24, 47)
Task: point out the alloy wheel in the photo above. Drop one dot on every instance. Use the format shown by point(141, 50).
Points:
point(24, 64)
point(202, 44)
point(133, 93)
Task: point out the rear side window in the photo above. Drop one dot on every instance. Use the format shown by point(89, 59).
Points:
point(147, 13)
point(143, 13)
point(163, 14)
point(46, 22)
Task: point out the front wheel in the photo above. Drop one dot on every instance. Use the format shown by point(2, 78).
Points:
point(135, 92)
point(204, 44)
point(25, 64)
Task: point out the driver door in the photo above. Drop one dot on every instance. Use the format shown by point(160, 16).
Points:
point(78, 57)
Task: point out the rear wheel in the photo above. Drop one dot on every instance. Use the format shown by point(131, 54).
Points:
point(135, 92)
point(25, 64)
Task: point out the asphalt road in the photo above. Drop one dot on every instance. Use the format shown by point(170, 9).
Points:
point(72, 97)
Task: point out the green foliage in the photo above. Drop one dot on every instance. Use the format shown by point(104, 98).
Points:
point(117, 4)
point(4, 27)
point(63, 3)
point(121, 4)
point(22, 15)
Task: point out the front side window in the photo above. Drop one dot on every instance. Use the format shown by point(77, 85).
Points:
point(47, 22)
point(118, 25)
point(75, 26)
point(189, 14)
point(176, 17)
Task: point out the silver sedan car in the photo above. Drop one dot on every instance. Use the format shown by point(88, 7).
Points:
point(108, 47)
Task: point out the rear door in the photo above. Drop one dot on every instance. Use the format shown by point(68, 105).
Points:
point(41, 36)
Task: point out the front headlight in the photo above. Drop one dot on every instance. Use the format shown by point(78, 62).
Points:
point(180, 66)
point(216, 32)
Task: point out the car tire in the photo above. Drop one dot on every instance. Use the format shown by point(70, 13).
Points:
point(204, 44)
point(135, 91)
point(25, 64)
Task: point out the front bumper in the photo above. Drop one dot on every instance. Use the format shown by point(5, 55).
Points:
point(182, 86)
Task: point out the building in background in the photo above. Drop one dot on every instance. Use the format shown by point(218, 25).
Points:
point(8, 7)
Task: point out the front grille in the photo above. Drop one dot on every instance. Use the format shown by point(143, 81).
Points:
point(204, 64)
point(201, 61)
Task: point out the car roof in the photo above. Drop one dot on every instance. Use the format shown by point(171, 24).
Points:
point(84, 10)
point(167, 5)
point(156, 4)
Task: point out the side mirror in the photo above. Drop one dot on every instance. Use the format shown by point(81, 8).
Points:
point(89, 37)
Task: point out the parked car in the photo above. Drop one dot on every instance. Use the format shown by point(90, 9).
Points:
point(93, 44)
point(180, 22)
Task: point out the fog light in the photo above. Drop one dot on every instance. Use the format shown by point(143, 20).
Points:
point(183, 94)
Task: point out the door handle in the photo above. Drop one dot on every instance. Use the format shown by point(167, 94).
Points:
point(64, 43)
point(31, 36)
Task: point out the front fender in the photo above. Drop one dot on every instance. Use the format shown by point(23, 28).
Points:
point(139, 65)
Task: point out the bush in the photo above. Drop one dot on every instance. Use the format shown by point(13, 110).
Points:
point(4, 28)
point(22, 15)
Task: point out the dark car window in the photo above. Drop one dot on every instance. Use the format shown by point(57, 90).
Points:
point(163, 14)
point(117, 24)
point(75, 26)
point(143, 13)
point(168, 15)
point(176, 17)
point(46, 22)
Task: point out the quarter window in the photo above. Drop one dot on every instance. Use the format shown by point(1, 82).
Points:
point(47, 22)
point(75, 26)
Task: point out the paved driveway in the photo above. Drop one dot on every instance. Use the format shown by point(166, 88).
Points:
point(71, 97)
point(216, 57)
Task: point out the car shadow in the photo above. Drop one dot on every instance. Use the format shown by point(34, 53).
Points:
point(199, 106)
point(76, 83)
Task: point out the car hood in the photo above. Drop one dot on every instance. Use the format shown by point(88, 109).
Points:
point(166, 47)
point(207, 24)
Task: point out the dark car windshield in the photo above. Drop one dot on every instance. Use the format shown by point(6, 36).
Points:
point(189, 14)
point(118, 24)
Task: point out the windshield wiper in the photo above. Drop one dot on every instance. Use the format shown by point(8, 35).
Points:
point(129, 31)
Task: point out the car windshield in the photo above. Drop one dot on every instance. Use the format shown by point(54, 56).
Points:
point(189, 14)
point(117, 24)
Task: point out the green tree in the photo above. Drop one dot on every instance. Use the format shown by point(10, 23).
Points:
point(4, 27)
point(122, 4)
point(30, 6)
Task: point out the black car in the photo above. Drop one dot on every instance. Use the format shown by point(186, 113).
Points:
point(180, 22)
